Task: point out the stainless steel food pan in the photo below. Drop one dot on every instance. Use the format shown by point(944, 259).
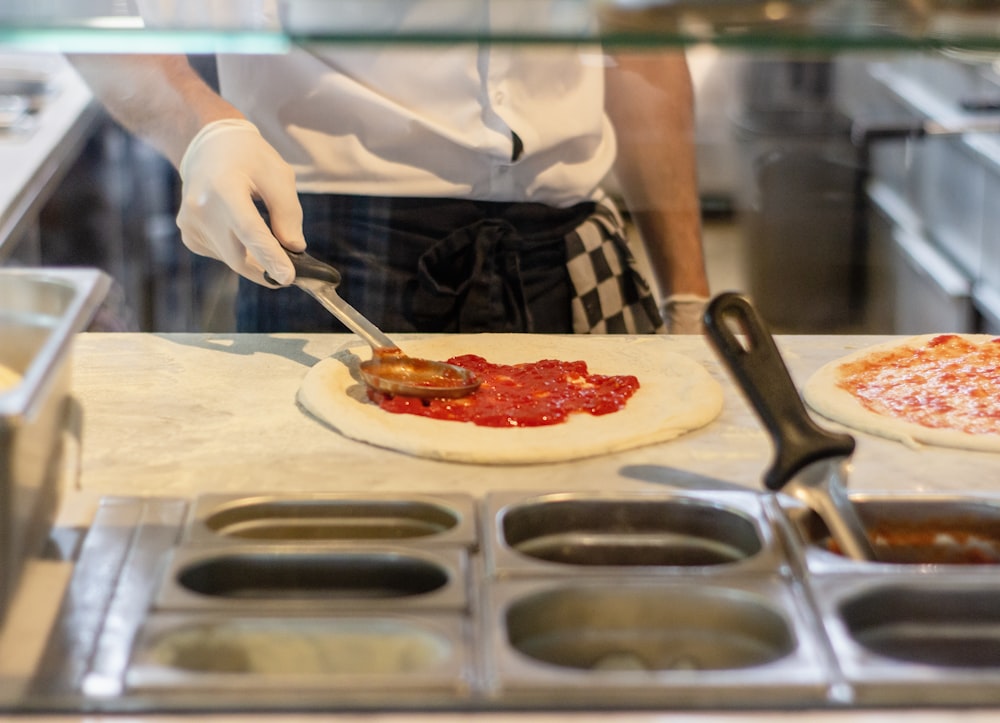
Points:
point(691, 643)
point(663, 533)
point(40, 313)
point(325, 518)
point(297, 578)
point(915, 638)
point(389, 658)
point(934, 532)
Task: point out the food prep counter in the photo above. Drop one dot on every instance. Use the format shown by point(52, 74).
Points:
point(168, 419)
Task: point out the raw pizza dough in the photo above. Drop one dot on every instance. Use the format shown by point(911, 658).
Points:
point(676, 395)
point(823, 395)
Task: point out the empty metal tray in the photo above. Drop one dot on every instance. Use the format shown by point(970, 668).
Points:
point(569, 533)
point(330, 518)
point(289, 578)
point(612, 642)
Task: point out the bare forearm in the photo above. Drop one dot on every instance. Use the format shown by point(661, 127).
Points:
point(650, 102)
point(158, 97)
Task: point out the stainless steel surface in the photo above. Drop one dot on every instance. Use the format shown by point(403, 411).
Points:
point(988, 278)
point(329, 518)
point(986, 299)
point(942, 175)
point(823, 487)
point(125, 549)
point(34, 165)
point(917, 639)
point(929, 532)
point(692, 642)
point(290, 578)
point(294, 626)
point(612, 628)
point(349, 657)
point(40, 313)
point(566, 533)
point(926, 290)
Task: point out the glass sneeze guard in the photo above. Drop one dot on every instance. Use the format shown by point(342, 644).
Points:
point(100, 25)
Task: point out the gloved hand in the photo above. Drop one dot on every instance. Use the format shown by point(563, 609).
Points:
point(683, 313)
point(225, 167)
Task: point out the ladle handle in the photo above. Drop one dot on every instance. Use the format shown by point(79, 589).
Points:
point(757, 365)
point(309, 267)
point(310, 270)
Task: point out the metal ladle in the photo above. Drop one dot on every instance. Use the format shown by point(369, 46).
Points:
point(389, 370)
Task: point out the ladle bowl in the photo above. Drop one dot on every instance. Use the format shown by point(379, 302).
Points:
point(389, 371)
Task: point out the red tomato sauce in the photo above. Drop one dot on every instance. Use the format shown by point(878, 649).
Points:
point(949, 383)
point(933, 542)
point(533, 394)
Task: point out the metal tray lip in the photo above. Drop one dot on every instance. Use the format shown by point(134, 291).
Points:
point(89, 287)
point(880, 679)
point(463, 506)
point(455, 673)
point(814, 561)
point(502, 560)
point(804, 673)
point(454, 595)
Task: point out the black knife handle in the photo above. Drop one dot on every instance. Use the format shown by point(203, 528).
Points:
point(762, 376)
point(309, 267)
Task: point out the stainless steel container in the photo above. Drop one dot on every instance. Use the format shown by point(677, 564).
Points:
point(41, 310)
point(686, 642)
point(561, 600)
point(928, 532)
point(634, 534)
point(913, 639)
point(331, 518)
point(298, 578)
point(357, 658)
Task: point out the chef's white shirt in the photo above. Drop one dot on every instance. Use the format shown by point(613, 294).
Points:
point(433, 120)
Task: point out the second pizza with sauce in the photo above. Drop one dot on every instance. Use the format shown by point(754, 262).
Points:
point(937, 389)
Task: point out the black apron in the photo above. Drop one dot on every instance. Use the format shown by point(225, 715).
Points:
point(460, 266)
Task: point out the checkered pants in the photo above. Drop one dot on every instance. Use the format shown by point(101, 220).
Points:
point(611, 296)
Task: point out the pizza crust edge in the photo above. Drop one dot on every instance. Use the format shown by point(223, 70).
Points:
point(823, 396)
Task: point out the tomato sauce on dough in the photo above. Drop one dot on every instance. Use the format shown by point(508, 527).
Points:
point(949, 383)
point(531, 394)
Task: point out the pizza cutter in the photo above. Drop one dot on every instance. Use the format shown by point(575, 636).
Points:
point(389, 370)
point(810, 462)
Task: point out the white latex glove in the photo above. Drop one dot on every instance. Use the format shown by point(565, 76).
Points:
point(225, 167)
point(683, 313)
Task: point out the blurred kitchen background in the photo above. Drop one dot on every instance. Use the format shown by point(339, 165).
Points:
point(845, 193)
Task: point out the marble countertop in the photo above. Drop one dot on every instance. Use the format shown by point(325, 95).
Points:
point(175, 415)
point(178, 414)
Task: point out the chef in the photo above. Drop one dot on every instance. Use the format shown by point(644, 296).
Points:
point(458, 188)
